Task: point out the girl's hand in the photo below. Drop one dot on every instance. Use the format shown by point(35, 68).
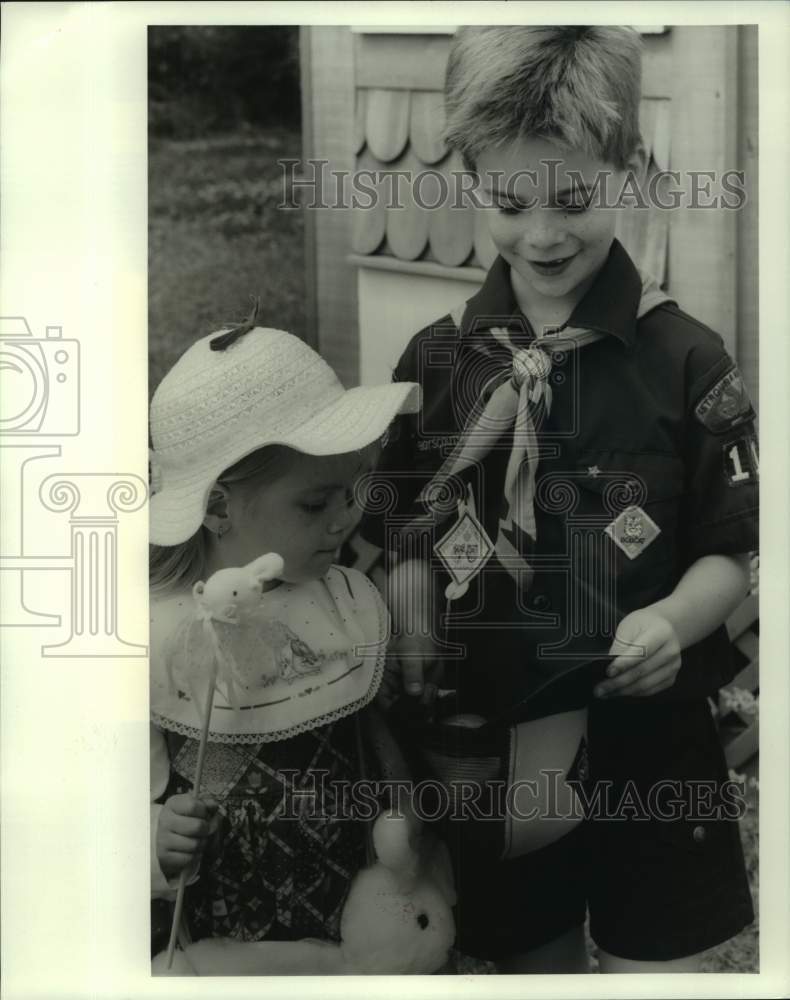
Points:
point(391, 685)
point(647, 657)
point(185, 824)
point(412, 663)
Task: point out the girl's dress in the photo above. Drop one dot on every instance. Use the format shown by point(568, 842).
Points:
point(283, 762)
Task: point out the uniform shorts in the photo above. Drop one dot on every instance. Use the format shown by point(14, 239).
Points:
point(508, 907)
point(658, 864)
point(675, 883)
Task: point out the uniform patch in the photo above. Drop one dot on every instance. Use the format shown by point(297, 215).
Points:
point(726, 405)
point(741, 461)
point(632, 531)
point(465, 548)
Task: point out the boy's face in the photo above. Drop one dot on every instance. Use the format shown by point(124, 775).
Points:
point(555, 244)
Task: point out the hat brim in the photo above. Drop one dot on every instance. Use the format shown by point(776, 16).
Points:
point(351, 422)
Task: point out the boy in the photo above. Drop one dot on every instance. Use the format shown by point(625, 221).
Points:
point(592, 448)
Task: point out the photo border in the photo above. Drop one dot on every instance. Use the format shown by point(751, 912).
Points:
point(75, 732)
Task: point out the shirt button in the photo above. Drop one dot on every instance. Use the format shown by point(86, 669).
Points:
point(540, 602)
point(699, 834)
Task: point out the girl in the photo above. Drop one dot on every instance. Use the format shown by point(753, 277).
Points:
point(257, 448)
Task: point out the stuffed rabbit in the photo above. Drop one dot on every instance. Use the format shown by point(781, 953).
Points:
point(397, 919)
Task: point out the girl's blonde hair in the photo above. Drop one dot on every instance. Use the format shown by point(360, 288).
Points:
point(184, 564)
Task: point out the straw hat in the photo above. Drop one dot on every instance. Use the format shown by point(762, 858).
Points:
point(231, 394)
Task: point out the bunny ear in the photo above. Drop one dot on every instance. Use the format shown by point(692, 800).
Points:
point(391, 843)
point(267, 567)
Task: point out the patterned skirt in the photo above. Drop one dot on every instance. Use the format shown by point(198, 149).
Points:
point(288, 844)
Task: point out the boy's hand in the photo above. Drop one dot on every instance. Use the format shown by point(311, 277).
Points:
point(185, 824)
point(412, 665)
point(647, 657)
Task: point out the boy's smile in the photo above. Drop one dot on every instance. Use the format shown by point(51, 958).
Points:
point(541, 222)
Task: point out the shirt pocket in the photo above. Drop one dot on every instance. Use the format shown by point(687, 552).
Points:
point(632, 504)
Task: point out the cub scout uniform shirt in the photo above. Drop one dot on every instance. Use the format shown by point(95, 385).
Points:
point(647, 462)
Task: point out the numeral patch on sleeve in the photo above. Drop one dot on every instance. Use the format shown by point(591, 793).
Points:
point(741, 461)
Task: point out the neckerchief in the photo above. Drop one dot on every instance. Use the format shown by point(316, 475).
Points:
point(518, 396)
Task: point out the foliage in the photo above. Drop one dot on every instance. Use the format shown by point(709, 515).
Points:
point(209, 79)
point(216, 237)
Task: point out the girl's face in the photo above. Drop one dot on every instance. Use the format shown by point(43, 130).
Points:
point(304, 512)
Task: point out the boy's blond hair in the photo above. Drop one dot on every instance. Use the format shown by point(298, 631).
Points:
point(578, 85)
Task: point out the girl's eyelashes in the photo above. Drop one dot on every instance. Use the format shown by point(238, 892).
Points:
point(319, 506)
point(316, 507)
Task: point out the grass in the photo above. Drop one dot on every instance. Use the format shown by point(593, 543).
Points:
point(742, 953)
point(216, 237)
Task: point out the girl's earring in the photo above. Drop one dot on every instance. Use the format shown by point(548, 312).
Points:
point(222, 529)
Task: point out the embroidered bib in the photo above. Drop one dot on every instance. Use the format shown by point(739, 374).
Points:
point(312, 654)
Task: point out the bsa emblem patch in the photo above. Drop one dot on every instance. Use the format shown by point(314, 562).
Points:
point(726, 405)
point(465, 549)
point(632, 531)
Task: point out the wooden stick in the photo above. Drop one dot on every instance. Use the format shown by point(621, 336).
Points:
point(182, 881)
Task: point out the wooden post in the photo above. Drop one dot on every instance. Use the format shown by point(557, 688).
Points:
point(747, 343)
point(327, 59)
point(702, 244)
